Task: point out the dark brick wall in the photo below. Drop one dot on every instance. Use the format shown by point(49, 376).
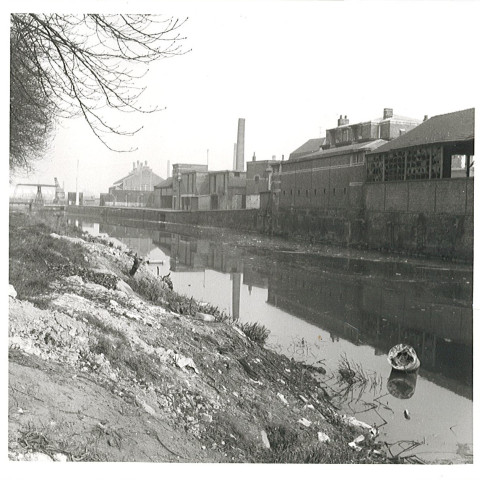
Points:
point(303, 186)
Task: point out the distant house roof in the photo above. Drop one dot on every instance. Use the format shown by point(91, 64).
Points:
point(166, 183)
point(310, 146)
point(121, 180)
point(449, 127)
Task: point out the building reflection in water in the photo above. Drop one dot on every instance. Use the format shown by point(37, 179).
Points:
point(374, 303)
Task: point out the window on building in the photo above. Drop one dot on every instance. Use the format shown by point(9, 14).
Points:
point(298, 192)
point(284, 192)
point(291, 191)
point(257, 178)
point(395, 166)
point(324, 191)
point(334, 192)
point(344, 190)
point(315, 192)
point(236, 174)
point(417, 166)
point(306, 192)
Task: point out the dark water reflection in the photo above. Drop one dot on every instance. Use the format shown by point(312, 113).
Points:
point(325, 308)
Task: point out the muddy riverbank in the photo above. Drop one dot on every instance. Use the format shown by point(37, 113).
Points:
point(108, 367)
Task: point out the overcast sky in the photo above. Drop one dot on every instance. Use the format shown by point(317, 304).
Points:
point(290, 69)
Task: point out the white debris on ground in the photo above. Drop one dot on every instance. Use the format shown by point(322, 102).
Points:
point(199, 384)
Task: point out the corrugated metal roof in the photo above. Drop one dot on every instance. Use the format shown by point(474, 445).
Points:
point(449, 127)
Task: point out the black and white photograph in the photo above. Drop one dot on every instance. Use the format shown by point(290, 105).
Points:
point(240, 238)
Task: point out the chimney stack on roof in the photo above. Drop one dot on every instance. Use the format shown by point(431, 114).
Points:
point(387, 113)
point(254, 158)
point(343, 121)
point(425, 117)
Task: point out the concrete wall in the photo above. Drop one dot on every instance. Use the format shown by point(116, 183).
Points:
point(442, 196)
point(431, 217)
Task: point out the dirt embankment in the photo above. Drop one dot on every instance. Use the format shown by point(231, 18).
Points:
point(100, 373)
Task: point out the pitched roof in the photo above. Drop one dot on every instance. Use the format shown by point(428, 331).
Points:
point(310, 146)
point(449, 127)
point(121, 180)
point(165, 183)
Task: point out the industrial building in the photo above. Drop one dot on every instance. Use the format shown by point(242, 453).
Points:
point(328, 173)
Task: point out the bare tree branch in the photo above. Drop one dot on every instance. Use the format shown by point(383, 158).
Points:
point(82, 66)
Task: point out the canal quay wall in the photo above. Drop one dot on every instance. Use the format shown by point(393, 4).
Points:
point(432, 219)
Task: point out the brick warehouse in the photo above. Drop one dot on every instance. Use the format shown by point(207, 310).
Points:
point(327, 174)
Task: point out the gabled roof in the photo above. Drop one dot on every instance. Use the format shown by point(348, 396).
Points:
point(449, 127)
point(310, 146)
point(165, 183)
point(121, 180)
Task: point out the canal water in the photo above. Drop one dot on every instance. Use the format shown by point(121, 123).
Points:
point(330, 310)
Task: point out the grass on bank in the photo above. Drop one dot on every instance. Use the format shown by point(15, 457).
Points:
point(34, 255)
point(34, 252)
point(36, 260)
point(154, 292)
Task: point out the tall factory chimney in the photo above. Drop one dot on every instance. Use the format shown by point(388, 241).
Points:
point(234, 156)
point(240, 156)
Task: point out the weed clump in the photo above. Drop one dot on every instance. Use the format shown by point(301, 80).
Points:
point(255, 332)
point(162, 293)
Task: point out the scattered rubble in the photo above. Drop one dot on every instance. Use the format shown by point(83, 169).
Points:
point(103, 362)
point(323, 437)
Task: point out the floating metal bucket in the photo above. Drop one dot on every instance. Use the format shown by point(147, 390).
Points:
point(403, 358)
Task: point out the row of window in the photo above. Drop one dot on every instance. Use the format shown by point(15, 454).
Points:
point(299, 194)
point(143, 187)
